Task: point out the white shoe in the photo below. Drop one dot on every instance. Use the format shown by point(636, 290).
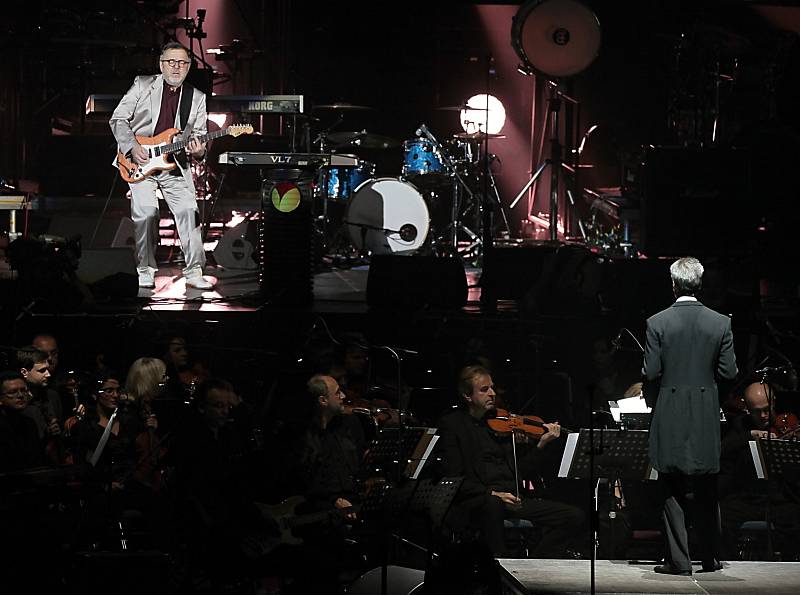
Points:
point(197, 282)
point(147, 279)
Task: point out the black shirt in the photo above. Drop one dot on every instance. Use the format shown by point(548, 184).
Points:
point(331, 460)
point(19, 442)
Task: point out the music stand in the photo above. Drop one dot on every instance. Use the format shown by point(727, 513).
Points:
point(612, 454)
point(618, 454)
point(401, 451)
point(774, 459)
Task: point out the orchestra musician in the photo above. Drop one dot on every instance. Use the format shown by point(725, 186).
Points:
point(742, 497)
point(153, 105)
point(19, 438)
point(688, 349)
point(489, 493)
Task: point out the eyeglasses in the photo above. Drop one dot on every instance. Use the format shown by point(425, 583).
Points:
point(174, 63)
point(21, 392)
point(109, 390)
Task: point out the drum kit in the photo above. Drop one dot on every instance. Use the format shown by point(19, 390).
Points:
point(432, 206)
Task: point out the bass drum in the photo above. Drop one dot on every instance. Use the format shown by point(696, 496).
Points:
point(387, 216)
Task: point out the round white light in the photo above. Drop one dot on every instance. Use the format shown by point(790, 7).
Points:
point(474, 117)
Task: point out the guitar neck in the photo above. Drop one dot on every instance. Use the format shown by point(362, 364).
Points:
point(317, 517)
point(181, 144)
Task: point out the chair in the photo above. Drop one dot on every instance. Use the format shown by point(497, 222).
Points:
point(753, 541)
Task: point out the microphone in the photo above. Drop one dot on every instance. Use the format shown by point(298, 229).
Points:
point(423, 131)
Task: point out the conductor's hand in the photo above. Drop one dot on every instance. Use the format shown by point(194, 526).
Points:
point(508, 499)
point(139, 154)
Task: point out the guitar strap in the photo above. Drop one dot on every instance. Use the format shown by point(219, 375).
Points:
point(183, 117)
point(101, 445)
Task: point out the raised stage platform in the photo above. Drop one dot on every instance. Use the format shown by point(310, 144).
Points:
point(529, 577)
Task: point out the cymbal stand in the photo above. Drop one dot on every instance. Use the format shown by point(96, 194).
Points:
point(495, 195)
point(555, 161)
point(458, 183)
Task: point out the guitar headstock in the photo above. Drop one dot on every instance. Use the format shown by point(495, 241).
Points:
point(238, 129)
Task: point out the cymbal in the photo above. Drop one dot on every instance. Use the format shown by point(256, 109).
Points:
point(476, 135)
point(458, 108)
point(363, 139)
point(342, 106)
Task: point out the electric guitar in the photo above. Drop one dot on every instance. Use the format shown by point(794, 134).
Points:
point(160, 148)
point(284, 520)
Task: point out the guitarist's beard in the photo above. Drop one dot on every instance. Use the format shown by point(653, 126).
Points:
point(174, 80)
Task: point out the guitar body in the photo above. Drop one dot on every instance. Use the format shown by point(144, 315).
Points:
point(132, 172)
point(281, 514)
point(160, 148)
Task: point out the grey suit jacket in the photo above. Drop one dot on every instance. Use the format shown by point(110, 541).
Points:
point(137, 114)
point(688, 348)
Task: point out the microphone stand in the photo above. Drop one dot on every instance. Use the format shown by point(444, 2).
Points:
point(488, 300)
point(767, 508)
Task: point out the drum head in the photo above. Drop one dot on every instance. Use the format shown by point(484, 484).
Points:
point(387, 216)
point(557, 38)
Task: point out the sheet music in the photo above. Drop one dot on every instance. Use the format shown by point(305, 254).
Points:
point(425, 455)
point(569, 452)
point(757, 459)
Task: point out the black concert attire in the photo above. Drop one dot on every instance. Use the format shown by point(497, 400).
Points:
point(212, 486)
point(688, 349)
point(743, 497)
point(471, 450)
point(331, 461)
point(20, 447)
point(45, 404)
point(118, 461)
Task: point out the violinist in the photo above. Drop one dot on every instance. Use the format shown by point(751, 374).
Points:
point(742, 496)
point(44, 405)
point(117, 460)
point(184, 372)
point(490, 491)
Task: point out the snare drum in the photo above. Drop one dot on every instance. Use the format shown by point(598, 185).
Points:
point(421, 158)
point(387, 216)
point(339, 183)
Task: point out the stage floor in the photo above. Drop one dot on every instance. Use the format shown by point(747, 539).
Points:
point(335, 290)
point(528, 577)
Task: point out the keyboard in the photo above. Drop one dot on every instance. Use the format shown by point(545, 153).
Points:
point(98, 103)
point(256, 104)
point(289, 159)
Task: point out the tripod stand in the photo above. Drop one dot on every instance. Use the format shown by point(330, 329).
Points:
point(555, 161)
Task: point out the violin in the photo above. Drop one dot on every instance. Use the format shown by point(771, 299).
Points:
point(785, 425)
point(151, 452)
point(505, 423)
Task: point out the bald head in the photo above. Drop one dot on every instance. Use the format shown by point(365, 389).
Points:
point(757, 403)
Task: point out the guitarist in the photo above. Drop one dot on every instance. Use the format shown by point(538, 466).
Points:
point(152, 105)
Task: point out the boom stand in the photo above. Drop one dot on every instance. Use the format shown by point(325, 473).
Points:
point(555, 161)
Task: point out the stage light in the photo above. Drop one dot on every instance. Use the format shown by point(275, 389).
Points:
point(475, 118)
point(218, 119)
